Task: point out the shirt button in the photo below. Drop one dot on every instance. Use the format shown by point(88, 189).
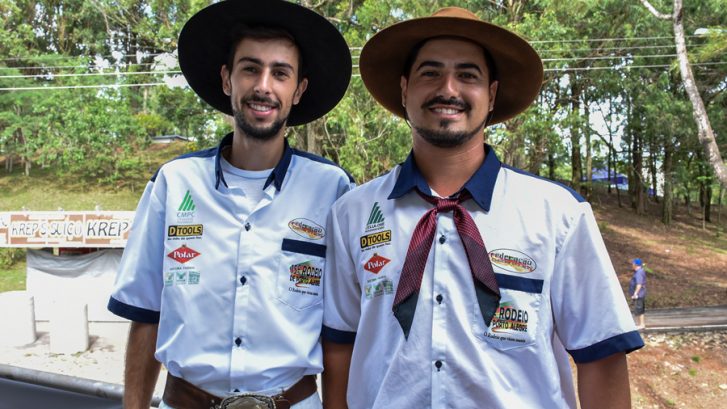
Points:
point(238, 341)
point(247, 226)
point(439, 298)
point(442, 239)
point(243, 280)
point(438, 365)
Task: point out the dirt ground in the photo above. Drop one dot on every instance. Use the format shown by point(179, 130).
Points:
point(680, 371)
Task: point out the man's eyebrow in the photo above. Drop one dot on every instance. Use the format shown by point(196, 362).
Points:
point(435, 64)
point(460, 66)
point(257, 61)
point(469, 65)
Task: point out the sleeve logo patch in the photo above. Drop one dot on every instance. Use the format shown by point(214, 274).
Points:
point(376, 263)
point(307, 228)
point(513, 261)
point(183, 254)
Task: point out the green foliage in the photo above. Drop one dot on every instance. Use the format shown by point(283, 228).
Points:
point(10, 256)
point(13, 278)
point(103, 134)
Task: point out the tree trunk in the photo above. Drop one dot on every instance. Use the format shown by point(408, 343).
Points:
point(666, 205)
point(551, 166)
point(575, 138)
point(637, 160)
point(705, 132)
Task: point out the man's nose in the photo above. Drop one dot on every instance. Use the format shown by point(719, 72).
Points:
point(448, 87)
point(264, 81)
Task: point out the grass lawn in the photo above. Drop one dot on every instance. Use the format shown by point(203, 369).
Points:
point(13, 277)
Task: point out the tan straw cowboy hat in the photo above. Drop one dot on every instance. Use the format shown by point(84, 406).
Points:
point(518, 67)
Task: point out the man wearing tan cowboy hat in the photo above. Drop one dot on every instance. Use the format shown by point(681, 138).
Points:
point(221, 277)
point(456, 281)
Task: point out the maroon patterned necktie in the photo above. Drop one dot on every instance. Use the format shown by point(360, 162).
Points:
point(407, 292)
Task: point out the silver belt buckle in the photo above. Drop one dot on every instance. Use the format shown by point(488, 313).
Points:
point(248, 401)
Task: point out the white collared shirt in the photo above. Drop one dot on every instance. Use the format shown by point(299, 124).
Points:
point(559, 293)
point(236, 292)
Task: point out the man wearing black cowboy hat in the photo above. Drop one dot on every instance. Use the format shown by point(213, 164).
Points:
point(456, 281)
point(221, 276)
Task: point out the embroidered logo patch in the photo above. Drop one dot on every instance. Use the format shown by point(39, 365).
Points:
point(183, 254)
point(186, 208)
point(376, 218)
point(307, 228)
point(374, 239)
point(376, 263)
point(513, 261)
point(305, 274)
point(185, 230)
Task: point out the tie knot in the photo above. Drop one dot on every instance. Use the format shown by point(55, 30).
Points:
point(446, 204)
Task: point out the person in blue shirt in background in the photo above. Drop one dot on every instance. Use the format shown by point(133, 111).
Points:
point(637, 291)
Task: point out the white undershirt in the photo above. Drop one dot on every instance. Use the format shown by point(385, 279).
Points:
point(250, 182)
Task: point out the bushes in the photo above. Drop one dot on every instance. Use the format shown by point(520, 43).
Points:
point(10, 256)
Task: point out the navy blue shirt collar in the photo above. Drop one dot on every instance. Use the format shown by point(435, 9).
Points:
point(276, 176)
point(480, 185)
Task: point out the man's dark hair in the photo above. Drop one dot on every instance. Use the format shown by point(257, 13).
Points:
point(414, 53)
point(261, 32)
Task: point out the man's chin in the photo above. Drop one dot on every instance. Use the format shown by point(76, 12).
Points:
point(259, 132)
point(445, 138)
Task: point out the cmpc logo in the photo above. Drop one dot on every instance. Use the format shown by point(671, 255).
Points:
point(183, 254)
point(376, 263)
point(187, 207)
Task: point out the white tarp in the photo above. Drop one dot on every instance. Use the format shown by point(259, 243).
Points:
point(89, 278)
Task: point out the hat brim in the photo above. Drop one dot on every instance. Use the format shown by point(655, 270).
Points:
point(204, 45)
point(519, 68)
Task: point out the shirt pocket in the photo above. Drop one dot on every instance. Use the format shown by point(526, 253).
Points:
point(516, 323)
point(299, 274)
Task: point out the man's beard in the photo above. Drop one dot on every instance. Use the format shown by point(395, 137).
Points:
point(443, 137)
point(255, 132)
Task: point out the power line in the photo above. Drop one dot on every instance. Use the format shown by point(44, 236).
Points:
point(612, 68)
point(150, 84)
point(53, 67)
point(91, 74)
point(592, 40)
point(628, 67)
point(352, 48)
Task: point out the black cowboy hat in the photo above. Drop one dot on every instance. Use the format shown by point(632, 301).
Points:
point(518, 67)
point(204, 43)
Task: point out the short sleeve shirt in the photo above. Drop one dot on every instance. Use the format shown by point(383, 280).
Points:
point(560, 294)
point(639, 277)
point(237, 292)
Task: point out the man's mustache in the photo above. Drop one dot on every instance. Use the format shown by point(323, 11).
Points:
point(438, 100)
point(260, 99)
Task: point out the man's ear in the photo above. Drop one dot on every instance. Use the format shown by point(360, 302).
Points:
point(225, 75)
point(403, 83)
point(300, 90)
point(493, 94)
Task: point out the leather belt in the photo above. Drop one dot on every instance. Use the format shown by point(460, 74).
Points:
point(181, 394)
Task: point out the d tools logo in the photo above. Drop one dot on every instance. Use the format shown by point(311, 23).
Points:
point(376, 263)
point(183, 254)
